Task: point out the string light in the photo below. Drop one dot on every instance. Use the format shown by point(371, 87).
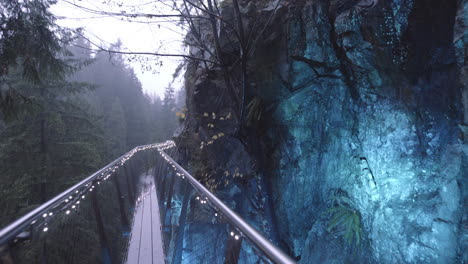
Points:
point(110, 171)
point(236, 237)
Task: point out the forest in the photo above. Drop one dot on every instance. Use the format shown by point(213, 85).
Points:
point(303, 131)
point(65, 110)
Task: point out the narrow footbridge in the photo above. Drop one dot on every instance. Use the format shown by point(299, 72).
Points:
point(142, 208)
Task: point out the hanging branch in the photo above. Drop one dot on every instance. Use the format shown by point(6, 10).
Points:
point(102, 49)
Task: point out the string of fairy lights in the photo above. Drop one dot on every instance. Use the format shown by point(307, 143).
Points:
point(71, 204)
point(235, 233)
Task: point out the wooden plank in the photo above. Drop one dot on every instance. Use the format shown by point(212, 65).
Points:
point(146, 245)
point(158, 252)
point(134, 245)
point(146, 252)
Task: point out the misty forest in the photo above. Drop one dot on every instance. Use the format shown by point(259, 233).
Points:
point(233, 131)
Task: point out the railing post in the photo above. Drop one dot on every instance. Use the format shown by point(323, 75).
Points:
point(233, 248)
point(120, 198)
point(179, 242)
point(163, 177)
point(100, 227)
point(44, 253)
point(132, 175)
point(157, 170)
point(169, 197)
point(161, 172)
point(131, 194)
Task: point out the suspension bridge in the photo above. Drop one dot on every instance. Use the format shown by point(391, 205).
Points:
point(142, 208)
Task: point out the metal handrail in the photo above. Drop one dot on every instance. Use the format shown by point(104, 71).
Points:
point(12, 230)
point(274, 253)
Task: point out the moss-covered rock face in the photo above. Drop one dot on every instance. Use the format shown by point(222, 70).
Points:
point(366, 100)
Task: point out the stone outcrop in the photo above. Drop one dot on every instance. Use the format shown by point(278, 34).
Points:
point(363, 108)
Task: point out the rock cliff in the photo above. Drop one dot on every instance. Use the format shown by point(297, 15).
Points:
point(354, 144)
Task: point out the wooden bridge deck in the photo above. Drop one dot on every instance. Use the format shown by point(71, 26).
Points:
point(146, 245)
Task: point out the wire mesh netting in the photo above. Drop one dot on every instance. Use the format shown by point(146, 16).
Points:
point(194, 230)
point(90, 224)
point(139, 209)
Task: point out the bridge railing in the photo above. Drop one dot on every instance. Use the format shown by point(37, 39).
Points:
point(87, 223)
point(91, 221)
point(203, 229)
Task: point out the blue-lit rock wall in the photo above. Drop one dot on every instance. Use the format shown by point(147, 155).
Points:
point(375, 113)
point(364, 110)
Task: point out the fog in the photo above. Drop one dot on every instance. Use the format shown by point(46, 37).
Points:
point(138, 35)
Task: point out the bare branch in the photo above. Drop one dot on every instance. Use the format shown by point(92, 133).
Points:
point(101, 49)
point(131, 15)
point(252, 47)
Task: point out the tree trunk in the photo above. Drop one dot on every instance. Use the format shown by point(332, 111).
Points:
point(45, 160)
point(243, 58)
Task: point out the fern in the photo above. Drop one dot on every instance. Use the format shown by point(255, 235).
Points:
point(254, 111)
point(345, 220)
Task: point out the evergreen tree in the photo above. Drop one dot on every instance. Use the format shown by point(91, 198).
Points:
point(168, 112)
point(156, 120)
point(31, 47)
point(116, 129)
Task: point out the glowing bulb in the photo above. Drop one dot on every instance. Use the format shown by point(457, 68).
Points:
point(216, 214)
point(50, 213)
point(70, 197)
point(73, 207)
point(67, 212)
point(45, 229)
point(232, 233)
point(198, 198)
point(236, 237)
point(66, 200)
point(44, 215)
point(82, 197)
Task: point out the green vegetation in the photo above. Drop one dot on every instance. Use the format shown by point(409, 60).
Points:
point(254, 111)
point(345, 220)
point(64, 111)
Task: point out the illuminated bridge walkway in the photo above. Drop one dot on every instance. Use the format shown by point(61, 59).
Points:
point(142, 208)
